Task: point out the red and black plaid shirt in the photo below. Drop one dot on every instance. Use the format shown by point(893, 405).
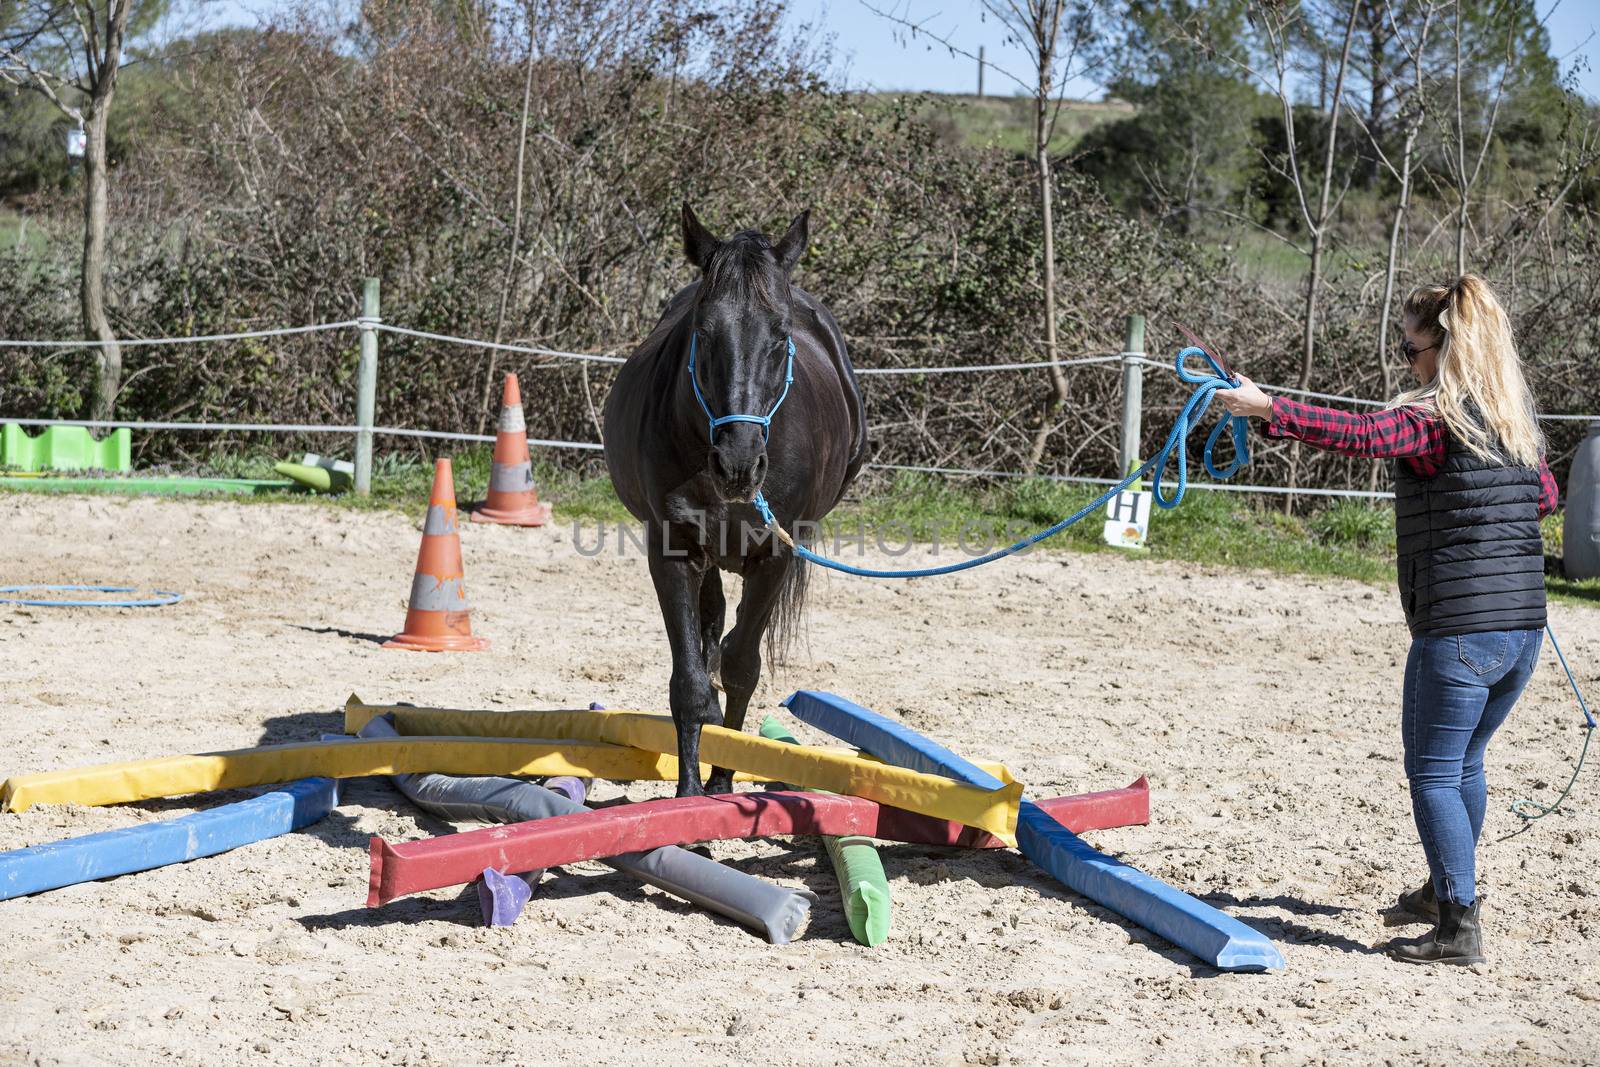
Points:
point(1413, 433)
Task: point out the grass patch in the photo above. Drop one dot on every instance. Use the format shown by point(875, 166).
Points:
point(1006, 122)
point(1210, 527)
point(1346, 539)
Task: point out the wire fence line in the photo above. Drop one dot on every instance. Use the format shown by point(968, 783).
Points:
point(286, 427)
point(134, 342)
point(374, 324)
point(593, 446)
point(367, 323)
point(497, 346)
point(1220, 486)
point(975, 368)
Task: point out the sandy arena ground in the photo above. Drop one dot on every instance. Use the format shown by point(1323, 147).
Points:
point(1263, 708)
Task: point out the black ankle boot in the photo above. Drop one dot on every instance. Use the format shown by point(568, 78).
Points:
point(1422, 903)
point(1457, 939)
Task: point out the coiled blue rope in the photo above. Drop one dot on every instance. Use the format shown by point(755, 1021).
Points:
point(157, 598)
point(1206, 385)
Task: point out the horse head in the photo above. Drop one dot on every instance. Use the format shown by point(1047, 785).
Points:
point(742, 357)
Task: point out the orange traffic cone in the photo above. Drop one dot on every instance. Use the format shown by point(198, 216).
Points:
point(438, 619)
point(512, 500)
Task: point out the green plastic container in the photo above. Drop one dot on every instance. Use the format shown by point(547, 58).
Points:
point(863, 886)
point(65, 448)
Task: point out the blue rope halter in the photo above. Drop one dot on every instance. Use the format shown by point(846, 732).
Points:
point(763, 421)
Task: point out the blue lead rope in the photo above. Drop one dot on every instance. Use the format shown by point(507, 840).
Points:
point(1206, 386)
point(1521, 808)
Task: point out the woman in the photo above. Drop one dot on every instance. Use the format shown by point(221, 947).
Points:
point(1471, 484)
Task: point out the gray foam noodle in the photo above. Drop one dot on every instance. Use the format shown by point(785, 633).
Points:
point(772, 911)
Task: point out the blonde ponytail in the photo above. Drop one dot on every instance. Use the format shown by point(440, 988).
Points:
point(1479, 391)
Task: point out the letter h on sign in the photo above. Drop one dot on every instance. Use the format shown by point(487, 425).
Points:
point(1128, 519)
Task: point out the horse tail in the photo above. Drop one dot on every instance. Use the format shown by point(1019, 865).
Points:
point(787, 626)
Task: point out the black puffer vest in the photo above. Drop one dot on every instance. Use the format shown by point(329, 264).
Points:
point(1471, 558)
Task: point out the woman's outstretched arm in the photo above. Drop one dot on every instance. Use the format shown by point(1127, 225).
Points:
point(1412, 432)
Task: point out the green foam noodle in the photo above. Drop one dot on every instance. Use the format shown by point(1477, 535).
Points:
point(863, 885)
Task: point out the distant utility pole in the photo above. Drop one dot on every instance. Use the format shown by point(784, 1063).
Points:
point(980, 72)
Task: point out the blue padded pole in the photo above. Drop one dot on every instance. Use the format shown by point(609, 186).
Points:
point(1192, 925)
point(141, 848)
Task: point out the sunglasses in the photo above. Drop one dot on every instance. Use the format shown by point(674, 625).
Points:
point(1411, 351)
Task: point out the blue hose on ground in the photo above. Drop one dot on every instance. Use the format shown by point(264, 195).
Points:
point(1206, 386)
point(158, 598)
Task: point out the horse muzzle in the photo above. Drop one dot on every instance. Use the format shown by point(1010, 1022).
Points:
point(738, 471)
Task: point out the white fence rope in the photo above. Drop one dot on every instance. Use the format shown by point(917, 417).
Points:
point(1280, 388)
point(1352, 399)
point(596, 357)
point(532, 350)
point(591, 446)
point(133, 342)
point(1220, 486)
point(365, 323)
point(285, 427)
point(976, 368)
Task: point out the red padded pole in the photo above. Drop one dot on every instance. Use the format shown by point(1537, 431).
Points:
point(458, 859)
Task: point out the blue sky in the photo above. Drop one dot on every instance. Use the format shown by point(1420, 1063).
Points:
point(877, 54)
point(873, 52)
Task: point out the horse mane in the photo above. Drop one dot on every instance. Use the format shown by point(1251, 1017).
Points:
point(744, 267)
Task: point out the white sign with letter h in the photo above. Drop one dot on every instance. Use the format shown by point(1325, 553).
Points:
point(1128, 519)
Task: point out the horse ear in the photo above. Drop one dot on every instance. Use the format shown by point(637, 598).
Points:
point(792, 245)
point(698, 242)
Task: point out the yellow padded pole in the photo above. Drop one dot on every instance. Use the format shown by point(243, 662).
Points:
point(801, 765)
point(168, 776)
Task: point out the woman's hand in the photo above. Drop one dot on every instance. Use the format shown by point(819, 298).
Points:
point(1247, 399)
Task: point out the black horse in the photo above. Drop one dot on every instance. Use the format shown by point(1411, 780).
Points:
point(743, 387)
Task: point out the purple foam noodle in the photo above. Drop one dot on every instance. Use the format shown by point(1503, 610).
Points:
point(502, 897)
point(574, 789)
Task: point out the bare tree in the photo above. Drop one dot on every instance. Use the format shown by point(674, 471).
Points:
point(509, 282)
point(1463, 176)
point(1281, 29)
point(1413, 112)
point(1053, 34)
point(70, 53)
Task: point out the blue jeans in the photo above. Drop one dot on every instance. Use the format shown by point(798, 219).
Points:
point(1458, 691)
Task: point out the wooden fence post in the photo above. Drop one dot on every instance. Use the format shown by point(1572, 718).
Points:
point(1132, 393)
point(366, 386)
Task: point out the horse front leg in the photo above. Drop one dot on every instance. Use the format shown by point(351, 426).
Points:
point(741, 649)
point(713, 613)
point(677, 580)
